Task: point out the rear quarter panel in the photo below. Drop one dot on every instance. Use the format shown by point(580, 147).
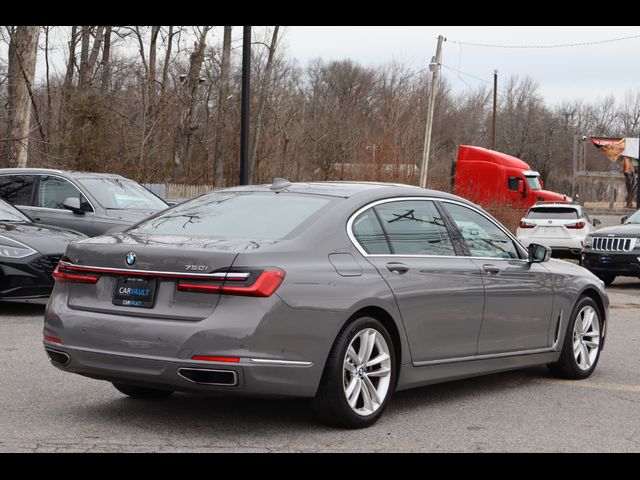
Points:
point(313, 284)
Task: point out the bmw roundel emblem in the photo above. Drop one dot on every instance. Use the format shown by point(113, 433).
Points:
point(130, 258)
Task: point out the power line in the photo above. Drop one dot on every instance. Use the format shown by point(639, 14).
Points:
point(465, 73)
point(561, 45)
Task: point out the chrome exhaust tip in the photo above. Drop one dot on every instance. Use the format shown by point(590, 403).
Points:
point(57, 357)
point(205, 376)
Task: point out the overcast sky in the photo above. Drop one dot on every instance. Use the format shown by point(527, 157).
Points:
point(587, 72)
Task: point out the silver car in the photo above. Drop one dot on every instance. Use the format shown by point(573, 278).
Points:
point(340, 292)
point(91, 203)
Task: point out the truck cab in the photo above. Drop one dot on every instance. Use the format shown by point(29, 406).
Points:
point(494, 179)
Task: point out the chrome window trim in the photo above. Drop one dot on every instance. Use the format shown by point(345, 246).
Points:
point(68, 180)
point(354, 241)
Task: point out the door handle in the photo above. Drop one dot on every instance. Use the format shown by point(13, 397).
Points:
point(398, 268)
point(490, 268)
point(37, 219)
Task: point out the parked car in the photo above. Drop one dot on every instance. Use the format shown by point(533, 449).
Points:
point(91, 203)
point(29, 253)
point(561, 227)
point(614, 251)
point(491, 178)
point(344, 292)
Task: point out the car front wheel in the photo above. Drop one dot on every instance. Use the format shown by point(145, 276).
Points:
point(359, 376)
point(581, 347)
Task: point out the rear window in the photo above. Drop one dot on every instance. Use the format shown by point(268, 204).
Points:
point(553, 213)
point(247, 215)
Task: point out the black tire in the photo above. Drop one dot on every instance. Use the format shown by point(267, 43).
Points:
point(330, 402)
point(567, 365)
point(141, 392)
point(607, 278)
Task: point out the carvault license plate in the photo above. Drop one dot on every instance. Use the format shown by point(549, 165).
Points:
point(606, 259)
point(135, 292)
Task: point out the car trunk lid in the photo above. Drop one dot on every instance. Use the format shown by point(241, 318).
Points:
point(138, 275)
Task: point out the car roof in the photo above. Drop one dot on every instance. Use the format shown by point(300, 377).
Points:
point(556, 205)
point(69, 173)
point(347, 189)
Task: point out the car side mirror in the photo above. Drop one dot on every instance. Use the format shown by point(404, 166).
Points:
point(624, 219)
point(73, 204)
point(539, 253)
point(541, 183)
point(596, 222)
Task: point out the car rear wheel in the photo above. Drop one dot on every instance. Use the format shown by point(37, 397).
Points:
point(607, 279)
point(359, 376)
point(581, 347)
point(141, 392)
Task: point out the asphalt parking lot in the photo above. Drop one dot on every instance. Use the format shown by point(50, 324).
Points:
point(45, 410)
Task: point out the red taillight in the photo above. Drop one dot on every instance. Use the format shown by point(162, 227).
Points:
point(267, 282)
point(524, 224)
point(65, 275)
point(576, 226)
point(212, 358)
point(49, 338)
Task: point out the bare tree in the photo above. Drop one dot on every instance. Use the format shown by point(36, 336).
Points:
point(253, 161)
point(105, 64)
point(191, 81)
point(22, 66)
point(223, 92)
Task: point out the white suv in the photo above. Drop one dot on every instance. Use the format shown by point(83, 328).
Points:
point(561, 226)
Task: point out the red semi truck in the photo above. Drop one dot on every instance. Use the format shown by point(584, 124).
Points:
point(493, 179)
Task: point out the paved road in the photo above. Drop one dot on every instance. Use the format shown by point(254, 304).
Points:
point(44, 410)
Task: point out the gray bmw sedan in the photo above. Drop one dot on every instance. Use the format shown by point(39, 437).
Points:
point(339, 292)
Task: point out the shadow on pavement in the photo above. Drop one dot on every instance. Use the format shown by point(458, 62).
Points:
point(243, 417)
point(21, 309)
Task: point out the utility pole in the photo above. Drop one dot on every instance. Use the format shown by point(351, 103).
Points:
point(495, 107)
point(576, 145)
point(434, 67)
point(244, 109)
point(638, 179)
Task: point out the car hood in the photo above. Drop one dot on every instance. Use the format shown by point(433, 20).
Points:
point(629, 229)
point(47, 240)
point(130, 215)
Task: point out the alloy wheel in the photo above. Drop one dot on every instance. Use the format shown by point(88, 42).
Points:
point(366, 372)
point(586, 337)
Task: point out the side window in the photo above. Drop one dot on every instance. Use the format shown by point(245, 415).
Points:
point(512, 183)
point(52, 192)
point(367, 230)
point(483, 237)
point(16, 189)
point(415, 227)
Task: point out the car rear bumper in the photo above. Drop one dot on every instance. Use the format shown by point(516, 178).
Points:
point(561, 247)
point(619, 264)
point(281, 350)
point(247, 377)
